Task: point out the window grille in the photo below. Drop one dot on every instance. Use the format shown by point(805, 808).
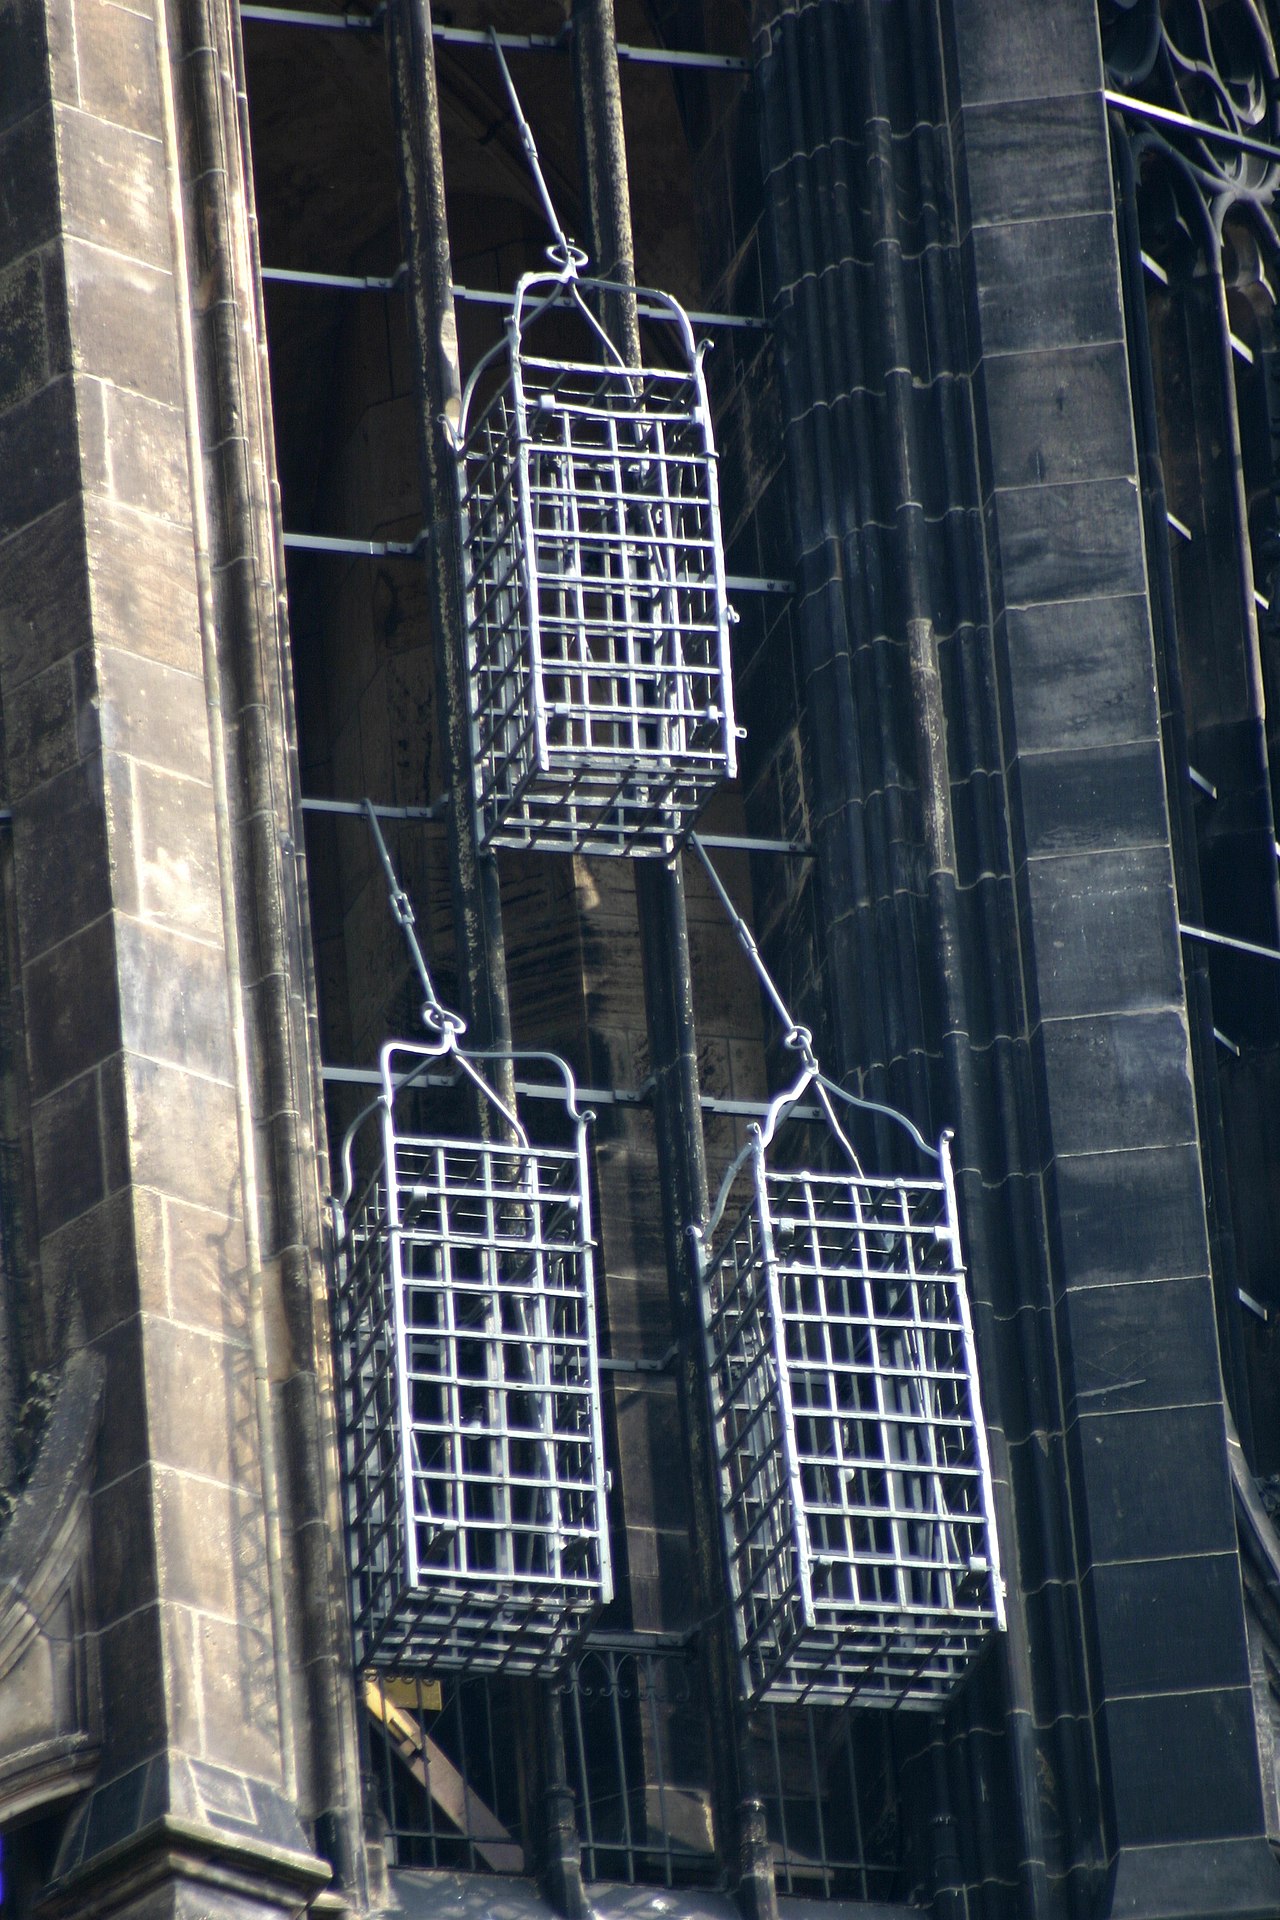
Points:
point(637, 1741)
point(597, 625)
point(441, 1757)
point(828, 1781)
point(855, 1487)
point(636, 1736)
point(468, 1376)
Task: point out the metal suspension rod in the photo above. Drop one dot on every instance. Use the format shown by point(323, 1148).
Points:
point(436, 1017)
point(564, 246)
point(747, 941)
point(798, 1038)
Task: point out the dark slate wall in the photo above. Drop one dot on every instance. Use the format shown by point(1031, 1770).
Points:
point(962, 462)
point(1141, 1388)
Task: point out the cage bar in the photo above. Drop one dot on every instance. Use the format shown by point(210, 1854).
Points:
point(601, 704)
point(469, 1387)
point(854, 1478)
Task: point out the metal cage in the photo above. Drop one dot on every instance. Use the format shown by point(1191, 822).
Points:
point(469, 1386)
point(854, 1478)
point(597, 624)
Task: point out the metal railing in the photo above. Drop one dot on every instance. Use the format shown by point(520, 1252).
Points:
point(636, 1733)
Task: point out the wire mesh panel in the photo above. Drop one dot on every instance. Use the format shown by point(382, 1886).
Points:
point(854, 1479)
point(600, 695)
point(470, 1397)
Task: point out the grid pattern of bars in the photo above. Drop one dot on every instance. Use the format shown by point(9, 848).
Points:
point(442, 1757)
point(638, 1748)
point(854, 1484)
point(471, 1407)
point(601, 706)
point(636, 1737)
point(830, 1797)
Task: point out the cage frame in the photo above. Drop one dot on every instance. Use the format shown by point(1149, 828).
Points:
point(769, 1666)
point(539, 793)
point(502, 1619)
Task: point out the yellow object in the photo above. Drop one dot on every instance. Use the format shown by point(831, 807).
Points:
point(403, 1690)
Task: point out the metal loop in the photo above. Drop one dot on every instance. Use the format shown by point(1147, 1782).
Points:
point(567, 258)
point(442, 1020)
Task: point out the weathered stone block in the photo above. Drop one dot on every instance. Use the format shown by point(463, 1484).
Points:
point(1060, 542)
point(239, 1696)
point(24, 352)
point(61, 858)
point(133, 1670)
point(1124, 1078)
point(123, 1441)
point(173, 998)
point(30, 207)
point(1007, 50)
point(66, 1138)
point(199, 1537)
point(113, 187)
point(119, 80)
point(73, 1007)
point(121, 314)
point(44, 595)
point(142, 582)
point(125, 1576)
point(169, 1110)
point(48, 728)
point(39, 454)
point(206, 1267)
point(133, 449)
point(200, 1403)
point(153, 712)
point(23, 74)
point(176, 849)
point(1047, 283)
point(103, 1260)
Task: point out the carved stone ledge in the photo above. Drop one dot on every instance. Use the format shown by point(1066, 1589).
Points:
point(173, 1869)
point(49, 1704)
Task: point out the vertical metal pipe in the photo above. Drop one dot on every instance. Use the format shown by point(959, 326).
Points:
point(476, 897)
point(668, 988)
point(433, 337)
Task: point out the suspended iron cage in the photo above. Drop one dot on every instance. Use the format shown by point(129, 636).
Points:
point(474, 1477)
point(601, 704)
point(855, 1485)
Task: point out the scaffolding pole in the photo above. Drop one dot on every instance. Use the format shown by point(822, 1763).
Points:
point(668, 987)
point(477, 905)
